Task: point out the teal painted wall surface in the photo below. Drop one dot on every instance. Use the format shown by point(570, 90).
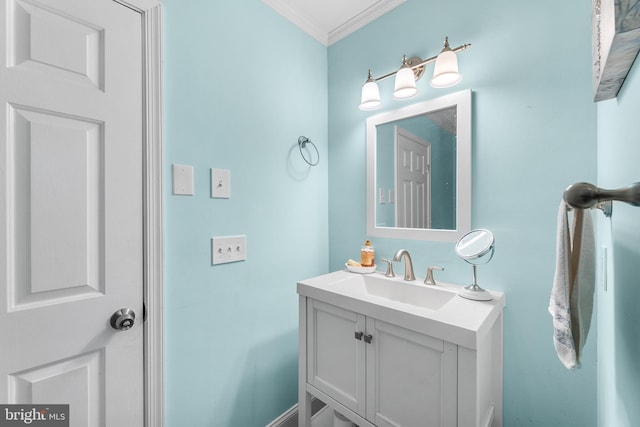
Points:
point(534, 133)
point(241, 84)
point(618, 309)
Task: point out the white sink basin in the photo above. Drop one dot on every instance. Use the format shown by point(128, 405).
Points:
point(414, 293)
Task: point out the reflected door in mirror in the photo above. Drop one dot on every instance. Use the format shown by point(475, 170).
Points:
point(413, 180)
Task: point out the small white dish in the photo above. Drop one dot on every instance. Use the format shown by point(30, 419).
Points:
point(361, 270)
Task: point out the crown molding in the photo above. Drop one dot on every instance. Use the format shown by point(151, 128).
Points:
point(353, 24)
point(362, 19)
point(299, 20)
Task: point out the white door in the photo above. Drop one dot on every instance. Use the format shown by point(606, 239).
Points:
point(71, 208)
point(413, 180)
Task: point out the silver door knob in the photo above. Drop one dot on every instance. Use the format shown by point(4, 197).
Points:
point(123, 319)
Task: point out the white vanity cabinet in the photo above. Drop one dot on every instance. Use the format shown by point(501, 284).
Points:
point(389, 375)
point(383, 363)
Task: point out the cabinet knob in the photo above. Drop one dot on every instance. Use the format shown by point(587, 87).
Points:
point(368, 338)
point(359, 335)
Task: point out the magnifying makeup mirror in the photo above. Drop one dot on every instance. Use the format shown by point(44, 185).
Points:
point(476, 247)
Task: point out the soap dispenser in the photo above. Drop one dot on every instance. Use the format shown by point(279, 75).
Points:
point(367, 255)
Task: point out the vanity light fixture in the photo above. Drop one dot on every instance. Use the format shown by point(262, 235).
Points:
point(445, 74)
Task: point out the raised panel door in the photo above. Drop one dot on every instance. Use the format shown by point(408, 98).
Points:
point(413, 180)
point(71, 208)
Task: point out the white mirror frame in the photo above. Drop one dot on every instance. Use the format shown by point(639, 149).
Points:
point(462, 100)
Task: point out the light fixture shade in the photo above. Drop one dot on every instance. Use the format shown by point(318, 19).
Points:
point(445, 73)
point(370, 99)
point(405, 86)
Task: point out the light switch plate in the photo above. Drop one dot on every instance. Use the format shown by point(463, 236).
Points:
point(220, 183)
point(381, 196)
point(228, 249)
point(182, 180)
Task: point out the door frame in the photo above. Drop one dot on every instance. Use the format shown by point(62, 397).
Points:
point(153, 235)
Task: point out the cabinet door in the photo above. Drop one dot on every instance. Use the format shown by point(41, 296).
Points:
point(412, 378)
point(336, 359)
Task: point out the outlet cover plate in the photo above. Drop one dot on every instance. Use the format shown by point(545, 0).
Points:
point(228, 249)
point(182, 180)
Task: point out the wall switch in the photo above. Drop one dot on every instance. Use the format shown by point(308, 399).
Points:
point(220, 183)
point(182, 180)
point(381, 196)
point(392, 196)
point(228, 249)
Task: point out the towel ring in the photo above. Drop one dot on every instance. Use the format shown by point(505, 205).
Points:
point(302, 143)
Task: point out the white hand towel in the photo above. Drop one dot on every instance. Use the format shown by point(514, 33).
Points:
point(571, 302)
point(584, 278)
point(559, 304)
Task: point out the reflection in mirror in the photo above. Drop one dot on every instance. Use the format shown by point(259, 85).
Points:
point(416, 160)
point(419, 170)
point(476, 247)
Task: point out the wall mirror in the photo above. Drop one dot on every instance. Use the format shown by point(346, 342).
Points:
point(419, 170)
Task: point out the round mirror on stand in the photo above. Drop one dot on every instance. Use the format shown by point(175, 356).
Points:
point(476, 247)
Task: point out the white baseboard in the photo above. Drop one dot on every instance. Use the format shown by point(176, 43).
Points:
point(290, 417)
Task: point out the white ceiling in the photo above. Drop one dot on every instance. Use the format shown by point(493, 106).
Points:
point(330, 20)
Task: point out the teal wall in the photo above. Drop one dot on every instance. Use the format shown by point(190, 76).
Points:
point(534, 133)
point(618, 312)
point(241, 85)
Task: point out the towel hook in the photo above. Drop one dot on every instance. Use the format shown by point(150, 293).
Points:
point(583, 195)
point(302, 143)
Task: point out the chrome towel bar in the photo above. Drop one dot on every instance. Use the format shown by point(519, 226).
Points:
point(583, 195)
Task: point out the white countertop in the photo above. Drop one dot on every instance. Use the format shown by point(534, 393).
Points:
point(459, 320)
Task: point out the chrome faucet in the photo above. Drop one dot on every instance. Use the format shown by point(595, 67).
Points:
point(408, 266)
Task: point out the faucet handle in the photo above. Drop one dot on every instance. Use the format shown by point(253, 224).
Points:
point(429, 280)
point(389, 272)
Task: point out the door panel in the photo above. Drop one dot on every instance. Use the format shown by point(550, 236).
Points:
point(59, 245)
point(76, 381)
point(77, 55)
point(71, 208)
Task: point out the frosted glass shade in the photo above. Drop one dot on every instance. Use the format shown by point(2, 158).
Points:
point(405, 86)
point(370, 99)
point(445, 73)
